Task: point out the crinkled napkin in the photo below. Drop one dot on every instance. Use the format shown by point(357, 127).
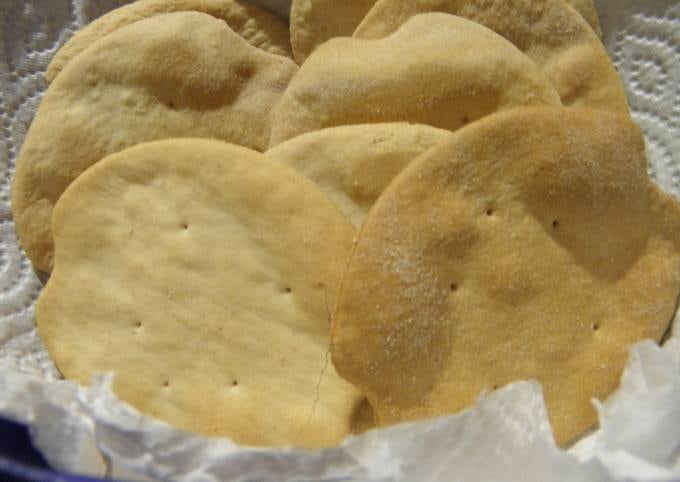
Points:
point(505, 436)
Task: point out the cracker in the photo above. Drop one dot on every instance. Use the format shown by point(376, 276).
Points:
point(258, 27)
point(200, 273)
point(354, 164)
point(530, 245)
point(586, 8)
point(177, 74)
point(549, 32)
point(437, 69)
point(313, 22)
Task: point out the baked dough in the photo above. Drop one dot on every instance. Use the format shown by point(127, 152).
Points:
point(172, 75)
point(529, 245)
point(202, 274)
point(313, 22)
point(549, 32)
point(258, 27)
point(354, 164)
point(437, 69)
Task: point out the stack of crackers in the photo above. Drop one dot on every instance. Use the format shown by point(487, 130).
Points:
point(285, 235)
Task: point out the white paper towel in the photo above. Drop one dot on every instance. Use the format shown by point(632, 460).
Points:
point(504, 437)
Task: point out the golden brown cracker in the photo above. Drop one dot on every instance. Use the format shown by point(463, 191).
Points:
point(313, 22)
point(530, 245)
point(177, 74)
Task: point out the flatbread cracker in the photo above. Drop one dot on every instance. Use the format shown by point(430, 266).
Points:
point(586, 8)
point(437, 69)
point(313, 22)
point(354, 164)
point(530, 245)
point(200, 273)
point(258, 27)
point(171, 75)
point(549, 32)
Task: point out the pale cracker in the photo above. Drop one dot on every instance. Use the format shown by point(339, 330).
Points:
point(177, 74)
point(437, 69)
point(549, 32)
point(202, 273)
point(258, 27)
point(354, 164)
